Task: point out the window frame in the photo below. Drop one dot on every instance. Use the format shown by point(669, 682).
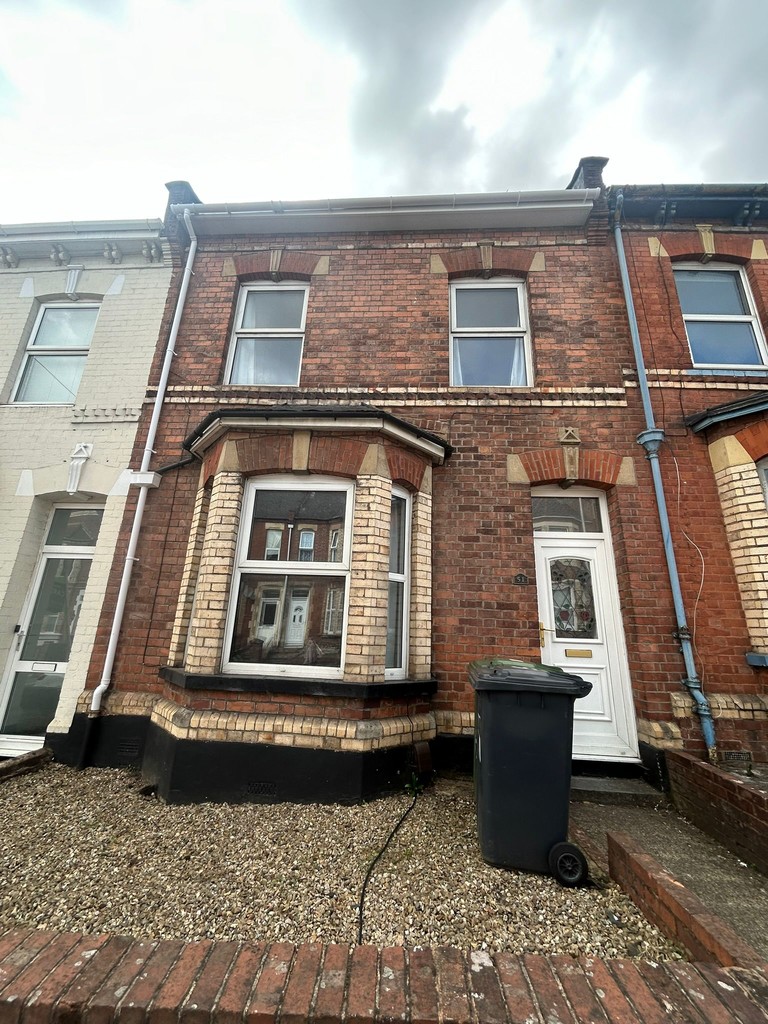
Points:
point(31, 350)
point(522, 331)
point(282, 569)
point(751, 317)
point(762, 472)
point(239, 332)
point(401, 671)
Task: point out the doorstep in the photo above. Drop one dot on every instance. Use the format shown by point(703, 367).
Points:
point(608, 790)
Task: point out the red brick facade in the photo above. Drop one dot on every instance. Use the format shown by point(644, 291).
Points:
point(377, 333)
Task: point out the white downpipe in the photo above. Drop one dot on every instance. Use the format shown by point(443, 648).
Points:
point(130, 556)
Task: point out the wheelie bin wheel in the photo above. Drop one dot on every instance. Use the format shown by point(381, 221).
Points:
point(568, 864)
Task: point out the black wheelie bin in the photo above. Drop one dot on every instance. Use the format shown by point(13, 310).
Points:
point(523, 745)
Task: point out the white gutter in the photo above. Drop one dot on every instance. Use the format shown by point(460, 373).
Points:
point(552, 208)
point(491, 200)
point(145, 478)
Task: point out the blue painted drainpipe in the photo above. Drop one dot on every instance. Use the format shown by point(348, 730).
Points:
point(651, 439)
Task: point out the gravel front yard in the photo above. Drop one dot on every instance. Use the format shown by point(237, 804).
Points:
point(85, 851)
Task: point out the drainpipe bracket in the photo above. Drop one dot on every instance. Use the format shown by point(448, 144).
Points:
point(139, 479)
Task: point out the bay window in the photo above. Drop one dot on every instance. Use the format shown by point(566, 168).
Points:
point(397, 603)
point(287, 611)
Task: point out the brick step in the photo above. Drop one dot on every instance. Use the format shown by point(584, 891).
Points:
point(48, 976)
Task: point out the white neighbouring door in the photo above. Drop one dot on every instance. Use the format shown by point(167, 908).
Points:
point(297, 618)
point(31, 684)
point(580, 619)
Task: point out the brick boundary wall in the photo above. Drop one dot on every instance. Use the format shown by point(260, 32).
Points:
point(63, 978)
point(726, 808)
point(680, 915)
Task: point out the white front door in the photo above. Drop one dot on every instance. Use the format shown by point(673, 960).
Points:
point(29, 691)
point(581, 628)
point(297, 618)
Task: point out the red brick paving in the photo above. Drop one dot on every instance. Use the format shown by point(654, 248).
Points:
point(48, 978)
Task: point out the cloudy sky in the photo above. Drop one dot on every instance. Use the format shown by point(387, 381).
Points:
point(103, 101)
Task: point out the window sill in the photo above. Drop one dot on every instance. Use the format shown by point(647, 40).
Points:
point(314, 687)
point(728, 371)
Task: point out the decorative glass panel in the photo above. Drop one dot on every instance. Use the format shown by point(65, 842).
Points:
point(273, 309)
point(324, 509)
point(566, 515)
point(573, 598)
point(32, 705)
point(282, 620)
point(487, 308)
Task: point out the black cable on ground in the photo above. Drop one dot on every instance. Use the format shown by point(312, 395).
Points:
point(373, 864)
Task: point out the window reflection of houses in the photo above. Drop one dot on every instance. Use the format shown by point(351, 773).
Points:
point(287, 618)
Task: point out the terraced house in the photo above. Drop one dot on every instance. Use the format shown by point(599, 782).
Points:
point(80, 306)
point(385, 437)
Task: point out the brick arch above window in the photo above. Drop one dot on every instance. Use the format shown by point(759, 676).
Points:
point(705, 245)
point(596, 467)
point(754, 439)
point(490, 261)
point(276, 265)
point(405, 468)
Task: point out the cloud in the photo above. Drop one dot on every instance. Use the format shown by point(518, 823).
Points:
point(99, 8)
point(670, 90)
point(404, 50)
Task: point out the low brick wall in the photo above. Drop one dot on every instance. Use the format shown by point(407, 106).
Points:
point(675, 910)
point(62, 978)
point(731, 811)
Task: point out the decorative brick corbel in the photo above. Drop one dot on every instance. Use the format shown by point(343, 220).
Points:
point(570, 441)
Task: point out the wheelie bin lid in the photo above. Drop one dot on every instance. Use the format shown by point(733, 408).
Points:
point(512, 674)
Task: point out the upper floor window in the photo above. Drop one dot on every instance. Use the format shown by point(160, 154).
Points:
point(720, 319)
point(306, 545)
point(490, 344)
point(55, 354)
point(269, 335)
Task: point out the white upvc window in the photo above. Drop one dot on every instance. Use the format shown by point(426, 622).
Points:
point(273, 543)
point(490, 340)
point(334, 611)
point(306, 546)
point(55, 355)
point(283, 619)
point(268, 337)
point(399, 584)
point(720, 319)
point(334, 545)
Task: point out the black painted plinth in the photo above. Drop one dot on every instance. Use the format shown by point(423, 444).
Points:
point(191, 771)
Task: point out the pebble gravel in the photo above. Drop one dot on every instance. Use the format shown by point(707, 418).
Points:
point(88, 851)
